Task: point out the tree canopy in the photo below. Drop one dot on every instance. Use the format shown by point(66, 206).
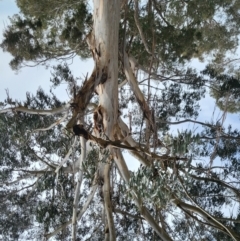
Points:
point(64, 165)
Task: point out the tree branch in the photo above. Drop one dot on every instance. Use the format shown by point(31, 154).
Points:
point(184, 121)
point(36, 112)
point(123, 170)
point(78, 186)
point(80, 131)
point(137, 92)
point(107, 203)
point(83, 210)
point(203, 213)
point(124, 213)
point(159, 11)
point(66, 157)
point(16, 191)
point(136, 13)
point(77, 190)
point(237, 192)
point(52, 125)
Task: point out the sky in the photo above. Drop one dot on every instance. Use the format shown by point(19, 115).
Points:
point(29, 79)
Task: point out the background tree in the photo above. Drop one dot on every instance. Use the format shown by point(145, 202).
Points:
point(64, 173)
point(225, 89)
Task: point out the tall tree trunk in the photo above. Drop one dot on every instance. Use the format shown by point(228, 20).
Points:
point(104, 45)
point(105, 37)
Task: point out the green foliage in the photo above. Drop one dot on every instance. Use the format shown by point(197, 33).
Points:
point(152, 183)
point(182, 143)
point(37, 37)
point(183, 30)
point(225, 89)
point(89, 166)
point(17, 152)
point(177, 31)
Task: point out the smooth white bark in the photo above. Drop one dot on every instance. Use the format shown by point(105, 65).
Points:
point(106, 28)
point(104, 42)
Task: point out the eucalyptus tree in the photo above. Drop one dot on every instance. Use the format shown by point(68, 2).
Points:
point(225, 88)
point(65, 174)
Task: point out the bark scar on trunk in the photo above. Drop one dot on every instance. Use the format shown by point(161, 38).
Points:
point(98, 120)
point(104, 75)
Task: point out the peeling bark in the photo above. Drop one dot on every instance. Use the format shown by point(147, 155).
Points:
point(106, 28)
point(82, 99)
